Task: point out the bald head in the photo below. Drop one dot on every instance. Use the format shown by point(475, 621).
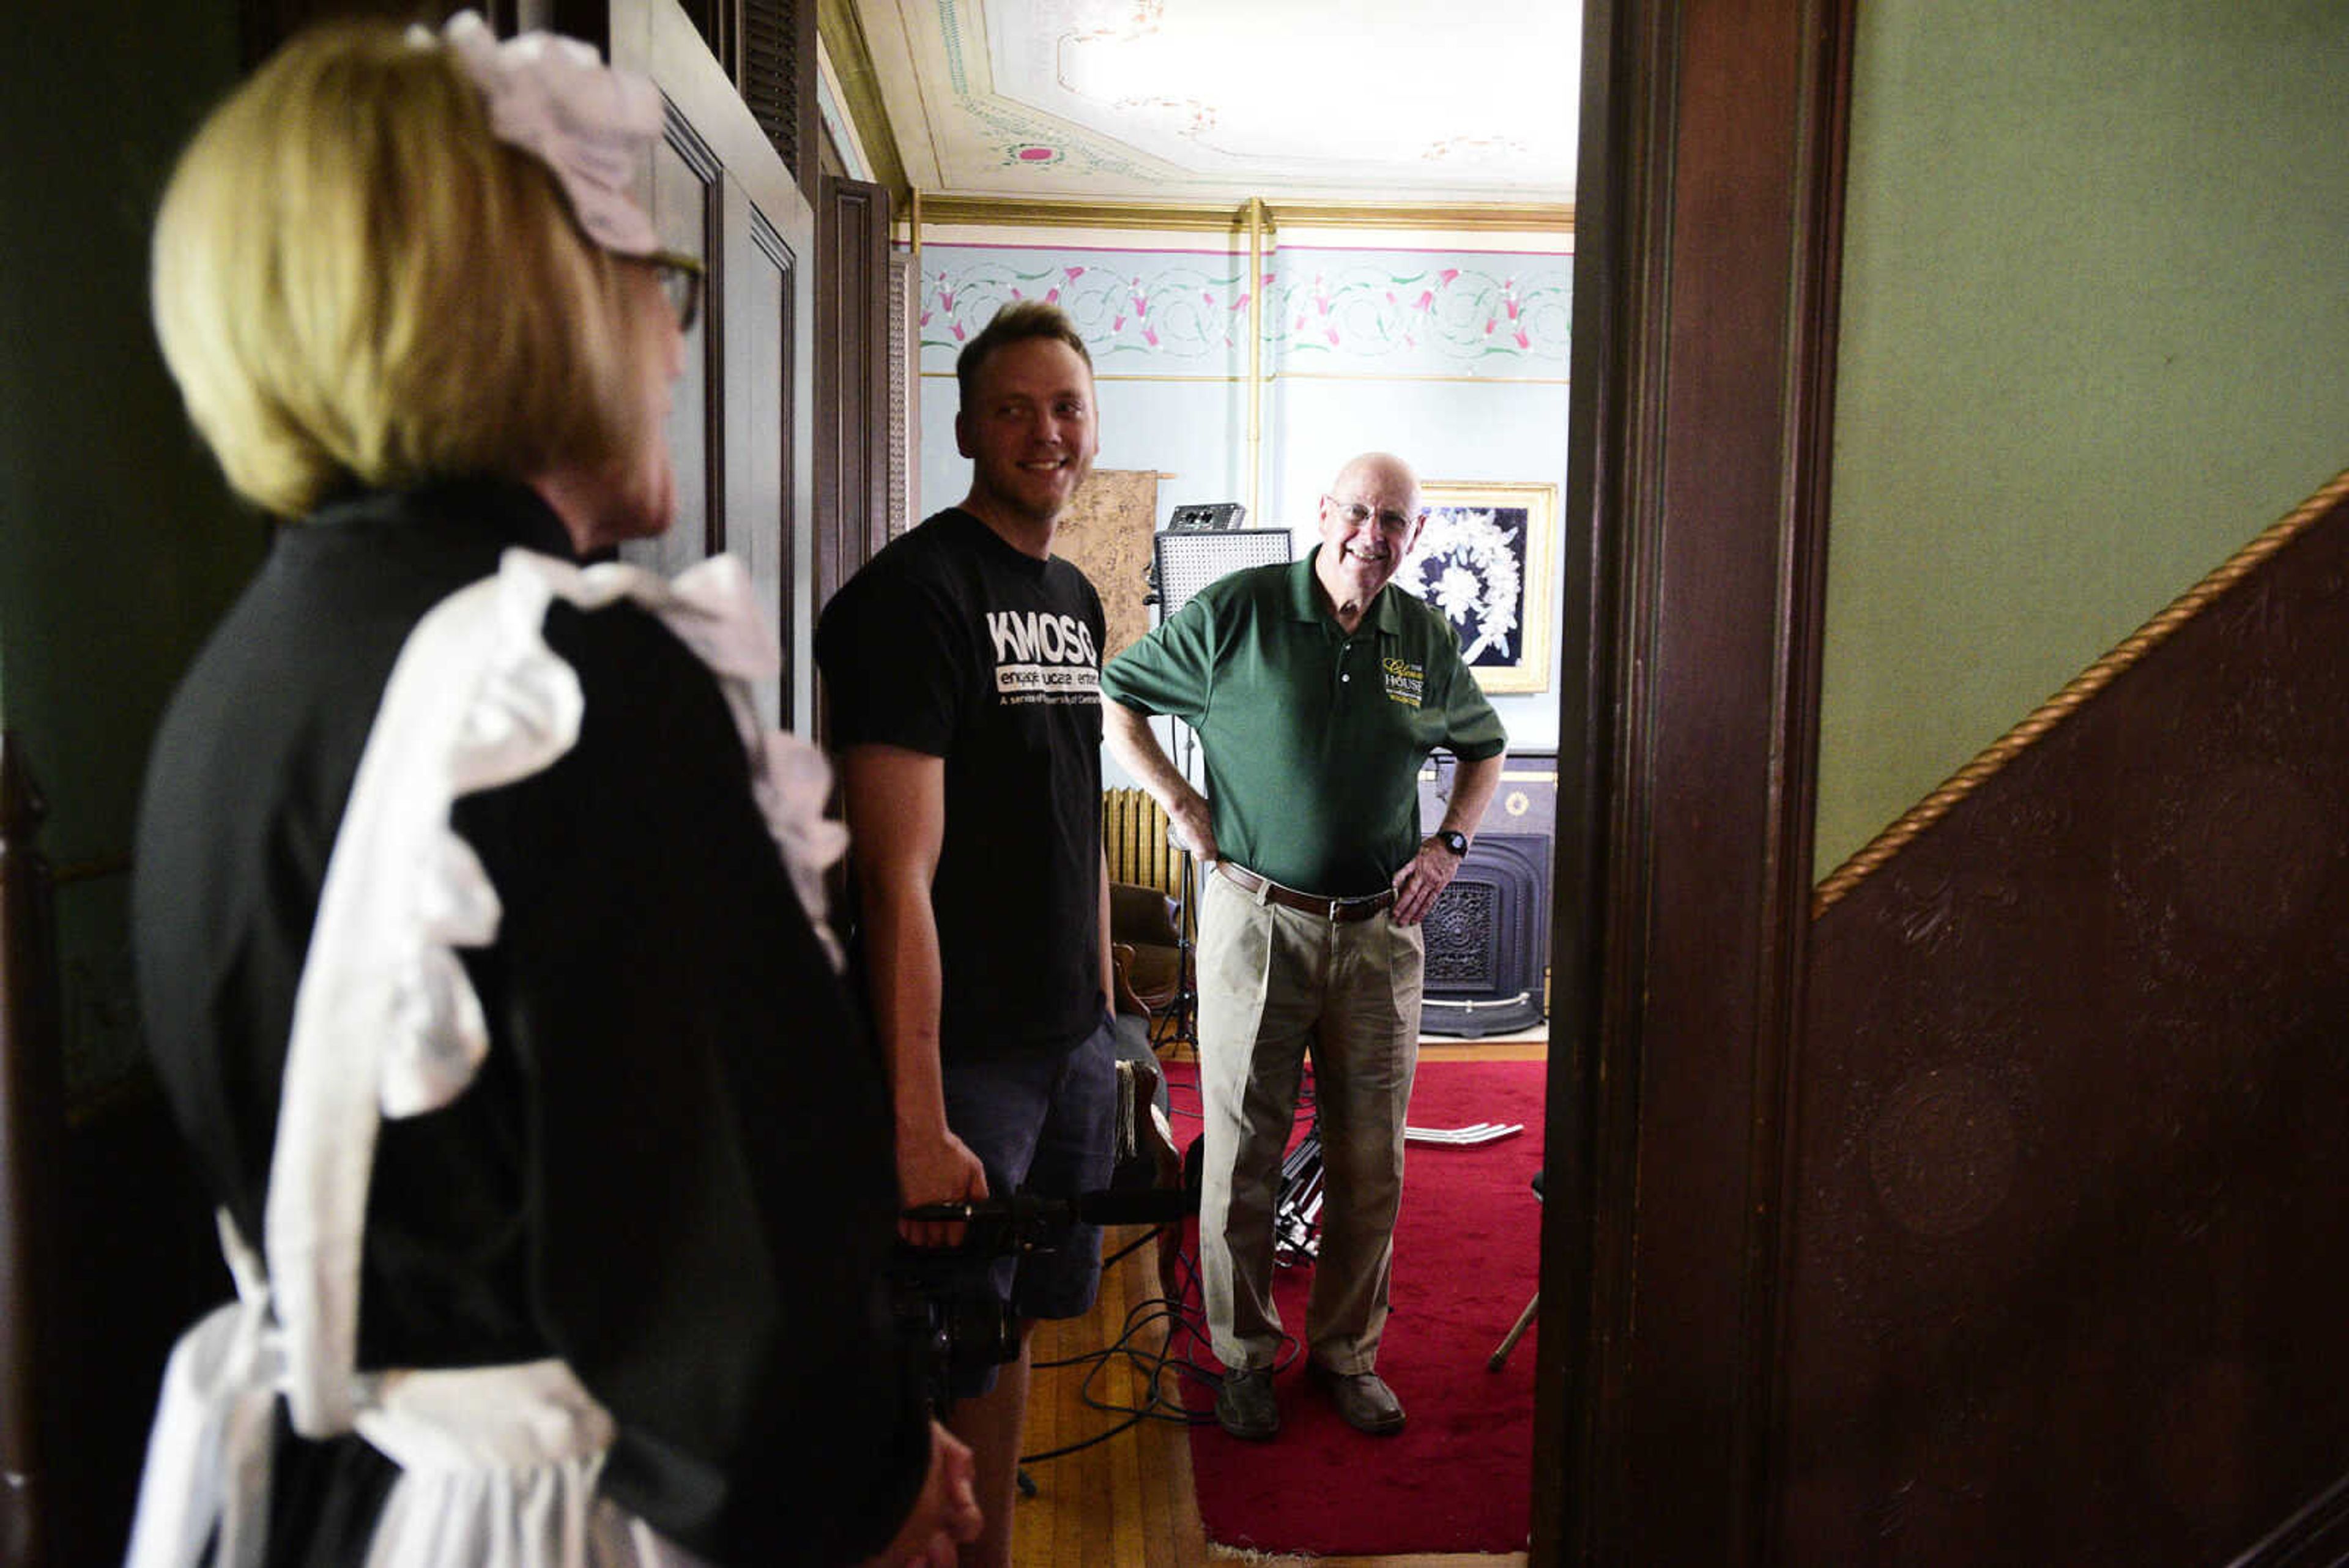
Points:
point(1370, 520)
point(1383, 471)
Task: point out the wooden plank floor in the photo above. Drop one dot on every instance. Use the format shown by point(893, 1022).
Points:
point(1129, 1502)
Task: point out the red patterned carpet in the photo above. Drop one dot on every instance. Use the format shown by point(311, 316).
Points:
point(1458, 1477)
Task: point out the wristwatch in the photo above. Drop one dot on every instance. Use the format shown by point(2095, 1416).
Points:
point(1451, 839)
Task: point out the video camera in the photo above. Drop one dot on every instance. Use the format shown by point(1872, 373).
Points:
point(950, 1321)
point(949, 1318)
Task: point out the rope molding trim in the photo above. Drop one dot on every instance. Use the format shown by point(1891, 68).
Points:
point(2068, 701)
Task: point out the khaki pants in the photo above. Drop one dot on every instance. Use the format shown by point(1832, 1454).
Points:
point(1272, 981)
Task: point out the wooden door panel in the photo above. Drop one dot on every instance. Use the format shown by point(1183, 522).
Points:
point(738, 425)
point(757, 370)
point(1700, 428)
point(684, 207)
point(852, 380)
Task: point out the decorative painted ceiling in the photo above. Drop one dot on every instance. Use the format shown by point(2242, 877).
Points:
point(1371, 102)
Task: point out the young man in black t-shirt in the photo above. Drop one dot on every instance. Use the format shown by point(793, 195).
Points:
point(963, 666)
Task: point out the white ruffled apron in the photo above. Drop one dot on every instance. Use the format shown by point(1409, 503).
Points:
point(499, 1464)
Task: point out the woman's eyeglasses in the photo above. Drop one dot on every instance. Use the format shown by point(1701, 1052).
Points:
point(680, 280)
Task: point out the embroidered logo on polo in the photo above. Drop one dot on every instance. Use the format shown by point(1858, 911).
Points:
point(1406, 680)
point(1041, 657)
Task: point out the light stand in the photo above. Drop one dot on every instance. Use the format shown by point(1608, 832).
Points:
point(1200, 544)
point(1186, 989)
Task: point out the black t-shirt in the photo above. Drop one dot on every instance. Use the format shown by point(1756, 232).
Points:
point(952, 643)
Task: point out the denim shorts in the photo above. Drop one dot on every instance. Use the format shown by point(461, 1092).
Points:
point(1044, 1126)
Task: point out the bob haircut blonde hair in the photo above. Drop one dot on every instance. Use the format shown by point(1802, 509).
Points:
point(357, 285)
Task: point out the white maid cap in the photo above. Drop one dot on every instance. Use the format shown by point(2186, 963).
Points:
point(588, 122)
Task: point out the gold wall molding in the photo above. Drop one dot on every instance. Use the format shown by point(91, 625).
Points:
point(2076, 692)
point(992, 211)
point(1260, 226)
point(1449, 380)
point(1221, 381)
point(843, 38)
point(1241, 380)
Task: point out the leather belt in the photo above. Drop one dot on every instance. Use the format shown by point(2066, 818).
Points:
point(1339, 911)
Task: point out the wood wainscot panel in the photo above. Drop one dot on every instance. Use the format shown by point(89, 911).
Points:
point(2065, 1264)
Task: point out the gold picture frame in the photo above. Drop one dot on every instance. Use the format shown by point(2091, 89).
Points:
point(1483, 560)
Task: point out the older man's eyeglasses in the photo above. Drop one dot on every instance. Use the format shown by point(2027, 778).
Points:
point(1355, 514)
point(680, 280)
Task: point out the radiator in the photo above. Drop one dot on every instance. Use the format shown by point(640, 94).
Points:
point(1134, 831)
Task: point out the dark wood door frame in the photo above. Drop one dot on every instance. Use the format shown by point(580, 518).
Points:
point(1708, 220)
point(852, 380)
point(34, 1489)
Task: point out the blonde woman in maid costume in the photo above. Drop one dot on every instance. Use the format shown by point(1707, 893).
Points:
point(478, 926)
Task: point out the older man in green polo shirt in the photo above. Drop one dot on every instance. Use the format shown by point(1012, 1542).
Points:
point(1316, 696)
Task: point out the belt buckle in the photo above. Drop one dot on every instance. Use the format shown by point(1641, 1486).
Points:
point(1335, 904)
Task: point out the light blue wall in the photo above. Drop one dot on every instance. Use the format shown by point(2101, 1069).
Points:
point(1454, 359)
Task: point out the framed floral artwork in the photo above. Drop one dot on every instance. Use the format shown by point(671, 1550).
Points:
point(1483, 559)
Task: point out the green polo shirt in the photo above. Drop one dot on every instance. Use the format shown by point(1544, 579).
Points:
point(1313, 739)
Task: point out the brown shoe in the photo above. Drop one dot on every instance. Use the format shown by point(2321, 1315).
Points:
point(1245, 1406)
point(1363, 1400)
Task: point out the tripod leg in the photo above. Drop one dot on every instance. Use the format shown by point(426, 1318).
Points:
point(1516, 1332)
point(1186, 926)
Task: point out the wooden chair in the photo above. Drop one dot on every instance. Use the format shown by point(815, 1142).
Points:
point(1151, 905)
point(1144, 931)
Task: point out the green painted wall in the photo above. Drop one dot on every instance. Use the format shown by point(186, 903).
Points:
point(119, 545)
point(2094, 337)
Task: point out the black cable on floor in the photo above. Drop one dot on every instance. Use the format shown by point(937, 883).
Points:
point(1182, 1324)
point(1152, 1366)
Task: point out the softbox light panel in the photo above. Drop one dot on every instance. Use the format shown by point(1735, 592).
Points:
point(1187, 562)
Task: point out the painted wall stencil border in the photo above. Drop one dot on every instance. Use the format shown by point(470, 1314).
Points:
point(1394, 310)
